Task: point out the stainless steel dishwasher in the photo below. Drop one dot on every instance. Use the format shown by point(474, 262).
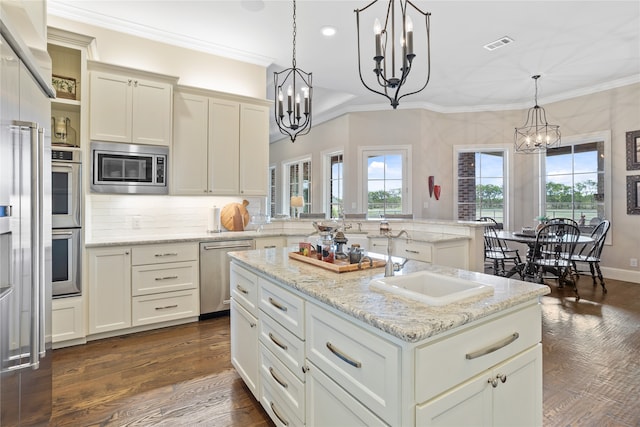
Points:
point(214, 274)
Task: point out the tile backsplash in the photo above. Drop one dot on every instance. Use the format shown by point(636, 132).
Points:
point(121, 215)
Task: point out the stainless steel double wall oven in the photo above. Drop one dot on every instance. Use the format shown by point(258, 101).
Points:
point(66, 201)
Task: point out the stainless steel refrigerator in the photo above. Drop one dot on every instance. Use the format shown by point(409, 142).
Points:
point(25, 234)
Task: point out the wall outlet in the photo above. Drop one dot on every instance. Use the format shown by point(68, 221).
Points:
point(135, 222)
point(633, 262)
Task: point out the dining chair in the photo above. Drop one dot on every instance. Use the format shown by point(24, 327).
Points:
point(590, 253)
point(497, 251)
point(563, 221)
point(552, 252)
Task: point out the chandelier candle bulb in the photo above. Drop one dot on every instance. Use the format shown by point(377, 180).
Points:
point(377, 30)
point(289, 98)
point(306, 100)
point(409, 28)
point(280, 98)
point(298, 106)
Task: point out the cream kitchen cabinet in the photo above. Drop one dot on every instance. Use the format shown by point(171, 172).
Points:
point(164, 283)
point(244, 323)
point(506, 395)
point(449, 252)
point(67, 321)
point(139, 286)
point(487, 372)
point(130, 106)
point(220, 144)
point(109, 289)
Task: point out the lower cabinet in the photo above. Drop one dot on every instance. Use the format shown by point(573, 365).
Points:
point(142, 285)
point(329, 405)
point(308, 364)
point(109, 289)
point(244, 352)
point(67, 321)
point(506, 395)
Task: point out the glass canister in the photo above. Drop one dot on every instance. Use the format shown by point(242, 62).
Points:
point(355, 253)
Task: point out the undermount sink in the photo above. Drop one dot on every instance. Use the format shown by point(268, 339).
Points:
point(431, 288)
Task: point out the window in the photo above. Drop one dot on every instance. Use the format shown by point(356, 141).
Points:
point(481, 184)
point(298, 184)
point(271, 203)
point(336, 184)
point(385, 173)
point(574, 182)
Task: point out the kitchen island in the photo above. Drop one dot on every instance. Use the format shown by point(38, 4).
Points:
point(321, 348)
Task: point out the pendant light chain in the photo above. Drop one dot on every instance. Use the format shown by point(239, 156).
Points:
point(293, 55)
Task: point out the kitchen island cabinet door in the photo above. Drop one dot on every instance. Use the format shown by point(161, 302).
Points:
point(329, 405)
point(244, 346)
point(507, 395)
point(109, 289)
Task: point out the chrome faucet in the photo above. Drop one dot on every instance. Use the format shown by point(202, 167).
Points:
point(390, 267)
point(341, 213)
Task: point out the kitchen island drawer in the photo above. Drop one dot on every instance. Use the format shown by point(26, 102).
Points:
point(282, 343)
point(158, 254)
point(158, 278)
point(279, 377)
point(364, 364)
point(282, 305)
point(244, 288)
point(147, 309)
point(418, 251)
point(475, 350)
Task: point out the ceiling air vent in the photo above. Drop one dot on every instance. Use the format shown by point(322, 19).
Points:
point(502, 41)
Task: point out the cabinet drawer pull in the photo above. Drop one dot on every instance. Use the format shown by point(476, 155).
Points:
point(166, 307)
point(269, 247)
point(343, 356)
point(241, 289)
point(493, 347)
point(167, 254)
point(166, 278)
point(278, 380)
point(282, 420)
point(412, 251)
point(277, 305)
point(277, 342)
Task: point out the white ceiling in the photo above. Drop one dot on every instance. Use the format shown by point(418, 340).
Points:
point(578, 47)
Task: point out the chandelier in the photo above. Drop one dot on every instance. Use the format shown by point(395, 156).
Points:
point(390, 79)
point(536, 135)
point(296, 119)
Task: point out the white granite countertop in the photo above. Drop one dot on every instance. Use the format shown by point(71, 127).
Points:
point(204, 236)
point(403, 318)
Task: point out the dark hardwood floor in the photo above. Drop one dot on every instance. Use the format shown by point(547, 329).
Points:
point(182, 376)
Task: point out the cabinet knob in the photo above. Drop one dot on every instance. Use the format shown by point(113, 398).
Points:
point(129, 82)
point(305, 369)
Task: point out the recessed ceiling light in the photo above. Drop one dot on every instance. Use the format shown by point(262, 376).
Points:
point(502, 41)
point(328, 31)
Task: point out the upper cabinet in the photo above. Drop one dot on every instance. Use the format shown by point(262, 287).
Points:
point(220, 144)
point(130, 105)
point(69, 53)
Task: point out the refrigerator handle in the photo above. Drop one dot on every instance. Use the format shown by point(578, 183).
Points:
point(42, 350)
point(36, 241)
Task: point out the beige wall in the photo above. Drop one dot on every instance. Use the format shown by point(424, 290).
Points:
point(433, 136)
point(193, 68)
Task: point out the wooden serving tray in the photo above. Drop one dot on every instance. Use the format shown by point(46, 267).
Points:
point(338, 265)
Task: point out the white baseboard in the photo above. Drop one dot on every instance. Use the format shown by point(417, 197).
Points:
point(621, 274)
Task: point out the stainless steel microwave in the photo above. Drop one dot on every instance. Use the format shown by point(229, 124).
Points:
point(129, 168)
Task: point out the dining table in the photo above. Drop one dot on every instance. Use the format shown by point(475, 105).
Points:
point(525, 269)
